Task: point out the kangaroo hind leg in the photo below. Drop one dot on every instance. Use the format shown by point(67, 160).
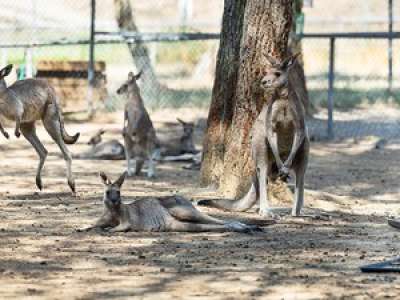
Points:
point(52, 124)
point(29, 132)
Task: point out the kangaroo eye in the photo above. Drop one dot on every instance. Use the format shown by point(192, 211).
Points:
point(277, 74)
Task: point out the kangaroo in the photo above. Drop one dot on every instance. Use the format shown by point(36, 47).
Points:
point(110, 150)
point(27, 101)
point(184, 144)
point(171, 213)
point(280, 143)
point(139, 135)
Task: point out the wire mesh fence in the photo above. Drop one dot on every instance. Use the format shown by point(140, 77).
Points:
point(185, 69)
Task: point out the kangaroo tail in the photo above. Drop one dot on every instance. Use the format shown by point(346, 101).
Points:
point(242, 204)
point(68, 139)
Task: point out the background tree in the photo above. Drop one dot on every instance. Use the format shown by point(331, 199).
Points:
point(139, 52)
point(250, 29)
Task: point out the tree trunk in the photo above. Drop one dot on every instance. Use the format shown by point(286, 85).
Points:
point(140, 54)
point(250, 30)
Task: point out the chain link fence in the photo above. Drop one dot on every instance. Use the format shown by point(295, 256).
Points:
point(185, 69)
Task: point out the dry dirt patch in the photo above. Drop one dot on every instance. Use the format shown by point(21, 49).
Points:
point(43, 257)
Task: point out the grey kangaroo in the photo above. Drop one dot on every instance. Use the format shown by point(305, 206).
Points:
point(139, 135)
point(280, 144)
point(173, 213)
point(110, 150)
point(184, 144)
point(27, 101)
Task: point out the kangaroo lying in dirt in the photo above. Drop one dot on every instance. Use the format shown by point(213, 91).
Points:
point(280, 144)
point(139, 135)
point(183, 145)
point(173, 213)
point(27, 101)
point(110, 150)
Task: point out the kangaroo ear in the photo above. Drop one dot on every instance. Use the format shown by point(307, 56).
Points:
point(131, 76)
point(180, 121)
point(121, 179)
point(289, 62)
point(5, 71)
point(138, 75)
point(104, 178)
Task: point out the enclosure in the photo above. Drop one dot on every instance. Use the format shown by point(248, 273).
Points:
point(351, 181)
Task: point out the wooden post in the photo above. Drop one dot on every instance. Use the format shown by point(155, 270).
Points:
point(331, 79)
point(91, 71)
point(390, 46)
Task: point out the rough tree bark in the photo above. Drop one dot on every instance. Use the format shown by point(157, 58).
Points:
point(250, 30)
point(139, 52)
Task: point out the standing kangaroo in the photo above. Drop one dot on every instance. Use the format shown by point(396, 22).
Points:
point(280, 144)
point(139, 135)
point(27, 101)
point(173, 213)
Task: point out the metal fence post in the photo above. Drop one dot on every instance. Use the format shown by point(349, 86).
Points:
point(390, 46)
point(331, 78)
point(91, 71)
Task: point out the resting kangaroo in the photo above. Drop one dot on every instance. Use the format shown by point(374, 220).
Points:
point(280, 144)
point(110, 150)
point(172, 213)
point(27, 101)
point(184, 144)
point(139, 135)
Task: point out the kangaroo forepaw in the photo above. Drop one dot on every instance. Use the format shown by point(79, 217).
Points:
point(17, 133)
point(284, 170)
point(6, 135)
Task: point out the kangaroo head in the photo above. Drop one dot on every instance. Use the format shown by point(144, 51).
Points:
point(130, 85)
point(188, 128)
point(277, 73)
point(112, 190)
point(4, 73)
point(96, 139)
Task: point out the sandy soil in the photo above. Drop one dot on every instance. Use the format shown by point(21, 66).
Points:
point(43, 257)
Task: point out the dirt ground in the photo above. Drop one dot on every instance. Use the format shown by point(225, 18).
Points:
point(42, 256)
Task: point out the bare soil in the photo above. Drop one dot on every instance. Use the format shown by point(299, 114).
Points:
point(42, 256)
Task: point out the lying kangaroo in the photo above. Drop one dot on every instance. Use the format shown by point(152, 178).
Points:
point(184, 144)
point(27, 101)
point(280, 144)
point(173, 213)
point(139, 135)
point(110, 150)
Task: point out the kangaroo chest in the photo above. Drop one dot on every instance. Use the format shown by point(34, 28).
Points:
point(282, 123)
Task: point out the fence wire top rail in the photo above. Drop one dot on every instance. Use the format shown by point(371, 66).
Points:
point(134, 37)
point(121, 37)
point(353, 35)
